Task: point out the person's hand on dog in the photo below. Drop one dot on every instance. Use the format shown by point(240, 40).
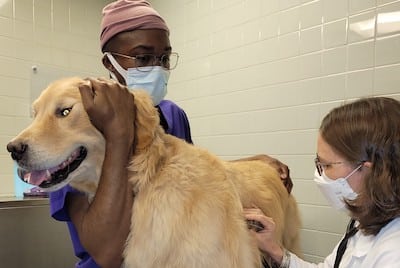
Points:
point(266, 237)
point(110, 107)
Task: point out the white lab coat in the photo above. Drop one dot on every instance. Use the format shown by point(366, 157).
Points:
point(380, 251)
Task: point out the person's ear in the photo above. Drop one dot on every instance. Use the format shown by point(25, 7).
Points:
point(106, 63)
point(113, 72)
point(367, 164)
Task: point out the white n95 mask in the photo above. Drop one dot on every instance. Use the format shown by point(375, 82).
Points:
point(153, 79)
point(335, 191)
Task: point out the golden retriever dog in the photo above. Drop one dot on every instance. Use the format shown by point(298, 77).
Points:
point(188, 206)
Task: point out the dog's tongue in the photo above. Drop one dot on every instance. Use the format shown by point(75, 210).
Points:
point(37, 177)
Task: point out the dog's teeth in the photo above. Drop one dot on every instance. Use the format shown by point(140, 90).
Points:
point(48, 174)
point(27, 178)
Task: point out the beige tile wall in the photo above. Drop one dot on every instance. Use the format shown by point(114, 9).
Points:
point(53, 34)
point(256, 76)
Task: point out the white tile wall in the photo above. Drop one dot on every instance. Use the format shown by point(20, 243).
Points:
point(52, 33)
point(256, 76)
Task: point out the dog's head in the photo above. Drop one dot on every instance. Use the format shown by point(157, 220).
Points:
point(61, 145)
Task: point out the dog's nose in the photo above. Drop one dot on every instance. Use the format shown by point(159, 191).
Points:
point(17, 150)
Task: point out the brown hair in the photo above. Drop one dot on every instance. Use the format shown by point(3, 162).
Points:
point(369, 130)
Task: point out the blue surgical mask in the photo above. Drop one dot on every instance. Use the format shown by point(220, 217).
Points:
point(153, 79)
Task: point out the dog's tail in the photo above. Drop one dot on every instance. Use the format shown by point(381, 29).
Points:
point(291, 236)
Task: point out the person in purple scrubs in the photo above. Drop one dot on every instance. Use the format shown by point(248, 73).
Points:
point(137, 52)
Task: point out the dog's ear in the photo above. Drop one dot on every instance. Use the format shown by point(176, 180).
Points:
point(147, 120)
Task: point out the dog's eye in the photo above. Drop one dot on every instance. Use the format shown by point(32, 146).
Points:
point(65, 112)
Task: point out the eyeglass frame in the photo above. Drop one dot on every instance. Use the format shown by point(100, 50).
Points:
point(154, 61)
point(320, 166)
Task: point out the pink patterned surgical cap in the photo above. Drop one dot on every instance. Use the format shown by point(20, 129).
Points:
point(129, 15)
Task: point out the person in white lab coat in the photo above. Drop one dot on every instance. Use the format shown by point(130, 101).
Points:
point(358, 171)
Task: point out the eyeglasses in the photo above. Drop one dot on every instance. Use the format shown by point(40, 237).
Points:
point(143, 61)
point(321, 166)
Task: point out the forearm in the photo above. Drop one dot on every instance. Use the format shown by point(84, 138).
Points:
point(280, 257)
point(104, 227)
point(275, 252)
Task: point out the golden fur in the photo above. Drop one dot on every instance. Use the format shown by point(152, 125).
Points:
point(188, 203)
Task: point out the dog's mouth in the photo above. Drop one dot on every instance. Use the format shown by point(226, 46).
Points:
point(48, 177)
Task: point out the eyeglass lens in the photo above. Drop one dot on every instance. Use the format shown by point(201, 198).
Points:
point(168, 62)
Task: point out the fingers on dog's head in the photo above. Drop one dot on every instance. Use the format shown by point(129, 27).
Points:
point(92, 84)
point(85, 84)
point(86, 87)
point(95, 82)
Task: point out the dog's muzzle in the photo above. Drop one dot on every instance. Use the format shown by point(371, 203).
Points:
point(48, 177)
